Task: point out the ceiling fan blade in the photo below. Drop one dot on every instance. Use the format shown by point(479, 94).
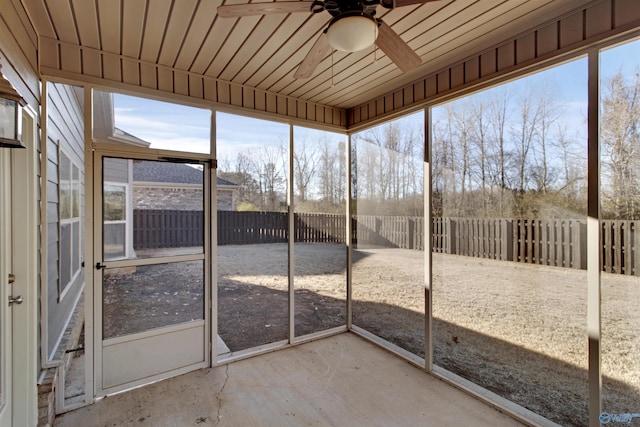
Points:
point(396, 49)
point(252, 9)
point(318, 52)
point(399, 3)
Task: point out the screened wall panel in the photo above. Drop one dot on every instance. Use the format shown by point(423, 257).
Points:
point(620, 213)
point(509, 241)
point(387, 217)
point(320, 255)
point(252, 259)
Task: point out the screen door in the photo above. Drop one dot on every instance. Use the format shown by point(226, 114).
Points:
point(152, 281)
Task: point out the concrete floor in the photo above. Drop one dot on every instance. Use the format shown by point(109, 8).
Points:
point(336, 381)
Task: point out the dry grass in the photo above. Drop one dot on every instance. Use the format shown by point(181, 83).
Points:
point(518, 330)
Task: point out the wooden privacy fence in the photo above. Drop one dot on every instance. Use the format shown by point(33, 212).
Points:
point(320, 228)
point(394, 231)
point(553, 242)
point(240, 228)
point(156, 228)
point(621, 247)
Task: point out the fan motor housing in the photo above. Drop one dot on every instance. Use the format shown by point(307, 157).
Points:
point(352, 31)
point(339, 7)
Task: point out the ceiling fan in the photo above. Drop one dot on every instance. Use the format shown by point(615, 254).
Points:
point(353, 27)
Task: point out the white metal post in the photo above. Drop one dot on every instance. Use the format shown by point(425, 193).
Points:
point(428, 269)
point(89, 257)
point(349, 234)
point(291, 264)
point(593, 240)
point(213, 244)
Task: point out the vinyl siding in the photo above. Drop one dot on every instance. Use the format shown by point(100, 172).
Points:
point(65, 131)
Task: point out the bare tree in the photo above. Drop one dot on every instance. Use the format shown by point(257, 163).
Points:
point(332, 172)
point(524, 132)
point(445, 164)
point(241, 174)
point(462, 128)
point(574, 172)
point(480, 139)
point(305, 163)
point(544, 172)
point(388, 169)
point(620, 138)
point(269, 168)
point(498, 119)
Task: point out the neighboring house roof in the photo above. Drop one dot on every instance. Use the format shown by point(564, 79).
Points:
point(125, 137)
point(169, 172)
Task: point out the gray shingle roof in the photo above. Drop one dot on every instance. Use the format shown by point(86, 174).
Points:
point(169, 172)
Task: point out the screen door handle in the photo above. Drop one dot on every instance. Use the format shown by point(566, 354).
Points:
point(15, 300)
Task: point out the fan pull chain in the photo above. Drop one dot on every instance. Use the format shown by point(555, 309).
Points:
point(375, 50)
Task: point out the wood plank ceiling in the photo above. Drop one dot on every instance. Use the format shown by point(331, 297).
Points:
point(264, 51)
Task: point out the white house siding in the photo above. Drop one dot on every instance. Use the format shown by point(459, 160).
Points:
point(118, 171)
point(65, 131)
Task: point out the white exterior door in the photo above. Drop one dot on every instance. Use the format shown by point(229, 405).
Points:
point(152, 268)
point(6, 327)
point(18, 281)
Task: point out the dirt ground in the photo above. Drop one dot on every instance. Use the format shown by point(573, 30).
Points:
point(518, 330)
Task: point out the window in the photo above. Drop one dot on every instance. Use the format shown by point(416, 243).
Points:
point(115, 221)
point(70, 238)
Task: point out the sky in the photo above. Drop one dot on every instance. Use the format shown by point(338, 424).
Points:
point(181, 128)
point(567, 83)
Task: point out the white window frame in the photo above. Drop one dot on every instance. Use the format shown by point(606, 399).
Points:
point(71, 222)
point(128, 217)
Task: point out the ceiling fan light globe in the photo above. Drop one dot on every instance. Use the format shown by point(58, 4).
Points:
point(352, 33)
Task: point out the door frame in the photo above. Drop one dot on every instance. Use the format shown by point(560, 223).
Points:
point(101, 150)
point(6, 324)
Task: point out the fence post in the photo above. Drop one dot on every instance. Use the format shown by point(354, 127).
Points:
point(452, 234)
point(606, 245)
point(636, 248)
point(507, 247)
point(411, 228)
point(578, 239)
point(626, 249)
